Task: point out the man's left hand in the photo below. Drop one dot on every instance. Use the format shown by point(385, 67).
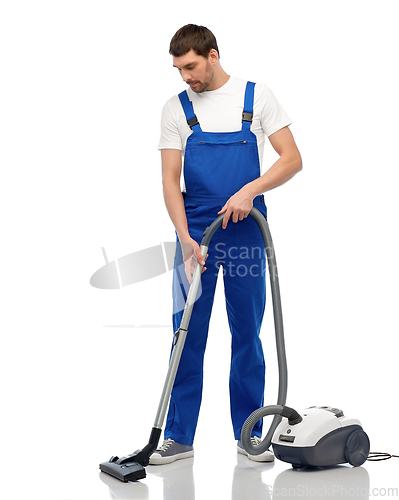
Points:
point(238, 206)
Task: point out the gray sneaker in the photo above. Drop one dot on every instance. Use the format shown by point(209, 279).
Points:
point(266, 456)
point(170, 451)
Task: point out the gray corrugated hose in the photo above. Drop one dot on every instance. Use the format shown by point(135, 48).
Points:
point(279, 333)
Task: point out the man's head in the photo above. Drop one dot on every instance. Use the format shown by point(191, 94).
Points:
point(191, 36)
point(196, 56)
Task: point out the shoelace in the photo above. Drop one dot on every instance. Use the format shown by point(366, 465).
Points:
point(166, 445)
point(255, 440)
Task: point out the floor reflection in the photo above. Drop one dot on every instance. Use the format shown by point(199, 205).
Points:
point(250, 480)
point(335, 482)
point(247, 479)
point(118, 489)
point(178, 479)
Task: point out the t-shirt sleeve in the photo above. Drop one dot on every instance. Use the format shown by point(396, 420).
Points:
point(170, 136)
point(272, 115)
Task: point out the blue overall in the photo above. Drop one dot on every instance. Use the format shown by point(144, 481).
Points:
point(216, 166)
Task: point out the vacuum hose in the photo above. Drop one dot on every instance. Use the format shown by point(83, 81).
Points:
point(278, 410)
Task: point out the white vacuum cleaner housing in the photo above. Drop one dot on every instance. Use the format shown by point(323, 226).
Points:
point(324, 437)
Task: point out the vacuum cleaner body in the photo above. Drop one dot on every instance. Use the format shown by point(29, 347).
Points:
point(324, 437)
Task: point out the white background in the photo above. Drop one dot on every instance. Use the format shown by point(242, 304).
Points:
point(82, 88)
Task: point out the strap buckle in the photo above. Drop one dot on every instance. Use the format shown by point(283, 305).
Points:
point(247, 117)
point(193, 122)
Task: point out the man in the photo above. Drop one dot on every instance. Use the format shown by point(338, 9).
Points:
point(220, 124)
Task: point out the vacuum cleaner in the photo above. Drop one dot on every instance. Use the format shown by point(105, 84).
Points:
point(317, 436)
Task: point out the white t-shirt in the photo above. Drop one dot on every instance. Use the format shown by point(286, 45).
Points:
point(220, 110)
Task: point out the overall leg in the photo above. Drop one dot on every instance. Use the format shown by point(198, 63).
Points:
point(245, 292)
point(186, 395)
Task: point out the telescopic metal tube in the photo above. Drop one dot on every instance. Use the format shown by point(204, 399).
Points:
point(181, 335)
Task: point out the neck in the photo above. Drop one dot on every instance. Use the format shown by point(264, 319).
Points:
point(220, 77)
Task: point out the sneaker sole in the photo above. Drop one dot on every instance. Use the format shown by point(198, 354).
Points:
point(157, 459)
point(257, 458)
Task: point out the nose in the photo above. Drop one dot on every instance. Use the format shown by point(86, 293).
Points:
point(185, 75)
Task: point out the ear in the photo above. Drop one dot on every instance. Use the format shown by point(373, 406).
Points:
point(213, 56)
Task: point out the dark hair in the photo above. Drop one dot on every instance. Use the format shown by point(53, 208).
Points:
point(191, 36)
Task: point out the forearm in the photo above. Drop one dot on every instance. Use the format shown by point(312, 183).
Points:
point(171, 172)
point(175, 206)
point(278, 174)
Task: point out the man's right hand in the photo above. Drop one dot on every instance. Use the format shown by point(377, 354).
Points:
point(191, 254)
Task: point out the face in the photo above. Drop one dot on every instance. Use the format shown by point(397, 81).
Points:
point(197, 71)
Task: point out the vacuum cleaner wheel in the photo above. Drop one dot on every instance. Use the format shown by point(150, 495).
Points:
point(357, 448)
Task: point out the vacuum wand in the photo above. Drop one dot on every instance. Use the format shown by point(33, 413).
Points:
point(180, 338)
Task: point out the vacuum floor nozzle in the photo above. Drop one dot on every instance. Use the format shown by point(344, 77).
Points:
point(130, 471)
point(132, 467)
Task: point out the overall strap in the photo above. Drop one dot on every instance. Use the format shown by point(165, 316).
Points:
point(188, 109)
point(248, 106)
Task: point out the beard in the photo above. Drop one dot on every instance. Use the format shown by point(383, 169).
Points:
point(202, 86)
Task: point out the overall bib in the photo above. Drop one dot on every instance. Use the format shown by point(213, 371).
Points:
point(216, 166)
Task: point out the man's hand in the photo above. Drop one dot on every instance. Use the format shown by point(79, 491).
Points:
point(191, 254)
point(238, 206)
